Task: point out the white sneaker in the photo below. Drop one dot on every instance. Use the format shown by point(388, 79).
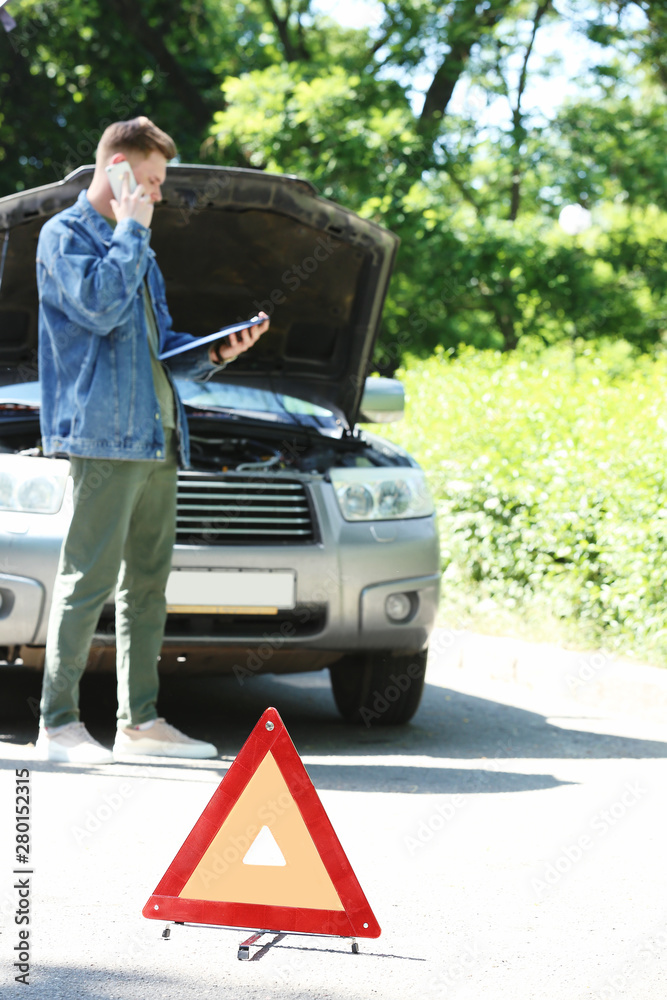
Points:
point(71, 744)
point(160, 740)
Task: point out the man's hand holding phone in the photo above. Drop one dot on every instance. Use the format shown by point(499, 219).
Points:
point(236, 343)
point(133, 206)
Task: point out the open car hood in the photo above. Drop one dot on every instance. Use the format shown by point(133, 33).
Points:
point(231, 242)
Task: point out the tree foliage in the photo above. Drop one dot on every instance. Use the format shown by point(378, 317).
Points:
point(422, 121)
point(548, 518)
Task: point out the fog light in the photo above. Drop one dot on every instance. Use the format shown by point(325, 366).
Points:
point(398, 607)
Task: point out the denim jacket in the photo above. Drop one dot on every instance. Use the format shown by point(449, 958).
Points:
point(98, 398)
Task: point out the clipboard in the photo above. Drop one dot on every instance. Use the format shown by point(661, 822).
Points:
point(210, 337)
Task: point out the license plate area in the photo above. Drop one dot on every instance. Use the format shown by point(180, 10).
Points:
point(231, 591)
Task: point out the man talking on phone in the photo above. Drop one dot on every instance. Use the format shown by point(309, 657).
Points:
point(112, 406)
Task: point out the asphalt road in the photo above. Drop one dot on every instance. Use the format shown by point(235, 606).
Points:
point(511, 844)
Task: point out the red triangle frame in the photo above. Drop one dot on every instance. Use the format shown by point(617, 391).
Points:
point(355, 920)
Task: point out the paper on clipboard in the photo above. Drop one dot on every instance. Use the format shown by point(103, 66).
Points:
point(211, 337)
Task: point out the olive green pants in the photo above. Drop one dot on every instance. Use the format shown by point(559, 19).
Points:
point(121, 536)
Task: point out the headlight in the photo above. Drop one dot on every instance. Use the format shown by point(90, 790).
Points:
point(32, 485)
point(381, 494)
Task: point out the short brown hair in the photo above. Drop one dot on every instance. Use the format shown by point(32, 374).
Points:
point(138, 135)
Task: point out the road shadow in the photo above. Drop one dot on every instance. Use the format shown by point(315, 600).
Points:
point(449, 725)
point(79, 982)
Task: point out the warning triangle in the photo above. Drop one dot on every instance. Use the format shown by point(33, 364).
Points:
point(263, 854)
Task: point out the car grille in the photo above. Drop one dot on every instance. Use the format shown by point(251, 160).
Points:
point(304, 620)
point(242, 510)
point(200, 629)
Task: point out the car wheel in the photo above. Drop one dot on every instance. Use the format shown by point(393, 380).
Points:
point(378, 688)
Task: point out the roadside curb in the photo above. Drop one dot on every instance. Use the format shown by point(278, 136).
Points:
point(595, 679)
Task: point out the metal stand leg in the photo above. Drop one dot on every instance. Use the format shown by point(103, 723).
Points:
point(244, 948)
point(243, 953)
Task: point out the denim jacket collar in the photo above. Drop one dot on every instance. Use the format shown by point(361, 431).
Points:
point(97, 222)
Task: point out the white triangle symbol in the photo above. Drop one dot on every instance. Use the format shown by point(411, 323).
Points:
point(264, 850)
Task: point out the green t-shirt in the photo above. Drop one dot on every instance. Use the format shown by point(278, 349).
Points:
point(163, 390)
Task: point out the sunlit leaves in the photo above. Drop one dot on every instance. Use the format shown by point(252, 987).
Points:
point(549, 474)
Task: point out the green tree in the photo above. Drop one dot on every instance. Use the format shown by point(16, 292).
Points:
point(68, 69)
point(482, 260)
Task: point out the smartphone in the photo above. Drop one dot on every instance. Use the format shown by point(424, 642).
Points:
point(115, 173)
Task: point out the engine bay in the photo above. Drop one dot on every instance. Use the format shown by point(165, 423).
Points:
point(221, 446)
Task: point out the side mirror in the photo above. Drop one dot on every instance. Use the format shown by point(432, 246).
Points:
point(383, 401)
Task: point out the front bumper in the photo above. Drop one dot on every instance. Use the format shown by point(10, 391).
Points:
point(342, 582)
point(21, 604)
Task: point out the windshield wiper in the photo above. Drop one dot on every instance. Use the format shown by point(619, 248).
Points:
point(261, 416)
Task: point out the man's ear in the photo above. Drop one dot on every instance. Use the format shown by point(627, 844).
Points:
point(117, 158)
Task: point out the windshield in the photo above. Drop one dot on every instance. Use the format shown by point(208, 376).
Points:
point(259, 403)
point(216, 397)
point(22, 394)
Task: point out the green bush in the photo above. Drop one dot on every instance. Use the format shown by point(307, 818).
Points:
point(548, 469)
